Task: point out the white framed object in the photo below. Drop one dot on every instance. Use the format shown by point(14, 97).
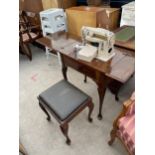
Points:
point(128, 14)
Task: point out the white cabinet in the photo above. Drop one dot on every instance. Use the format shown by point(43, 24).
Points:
point(52, 20)
point(128, 14)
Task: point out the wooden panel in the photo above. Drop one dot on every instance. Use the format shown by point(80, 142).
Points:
point(75, 21)
point(45, 42)
point(39, 5)
point(91, 16)
point(114, 19)
point(32, 5)
point(82, 16)
point(113, 15)
point(21, 4)
point(103, 20)
point(123, 69)
point(69, 3)
point(51, 4)
point(73, 63)
point(58, 4)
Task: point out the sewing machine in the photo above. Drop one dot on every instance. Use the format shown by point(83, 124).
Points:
point(103, 39)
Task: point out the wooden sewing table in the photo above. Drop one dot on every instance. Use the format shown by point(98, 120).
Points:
point(120, 68)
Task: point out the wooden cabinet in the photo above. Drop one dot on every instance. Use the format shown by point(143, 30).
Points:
point(82, 16)
point(40, 5)
point(113, 15)
point(32, 5)
point(47, 4)
point(91, 16)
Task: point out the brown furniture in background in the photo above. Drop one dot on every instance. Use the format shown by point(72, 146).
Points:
point(64, 101)
point(39, 5)
point(28, 33)
point(91, 16)
point(120, 68)
point(94, 2)
point(113, 18)
point(32, 8)
point(58, 4)
point(31, 5)
point(36, 6)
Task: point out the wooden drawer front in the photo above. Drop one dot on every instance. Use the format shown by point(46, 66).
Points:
point(79, 67)
point(88, 71)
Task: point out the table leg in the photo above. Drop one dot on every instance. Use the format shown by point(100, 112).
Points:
point(101, 91)
point(59, 58)
point(114, 87)
point(64, 72)
point(64, 67)
point(85, 78)
point(47, 52)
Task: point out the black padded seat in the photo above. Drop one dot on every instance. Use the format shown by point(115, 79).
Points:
point(63, 98)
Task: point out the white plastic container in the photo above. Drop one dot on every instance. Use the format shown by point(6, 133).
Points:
point(53, 20)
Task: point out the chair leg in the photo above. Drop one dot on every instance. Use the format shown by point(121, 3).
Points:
point(22, 152)
point(22, 149)
point(42, 107)
point(30, 53)
point(64, 128)
point(91, 107)
point(26, 50)
point(113, 136)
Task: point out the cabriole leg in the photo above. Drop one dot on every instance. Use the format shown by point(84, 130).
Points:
point(64, 128)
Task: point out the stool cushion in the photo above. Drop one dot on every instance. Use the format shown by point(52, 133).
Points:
point(63, 98)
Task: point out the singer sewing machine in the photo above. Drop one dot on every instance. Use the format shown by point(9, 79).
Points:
point(103, 39)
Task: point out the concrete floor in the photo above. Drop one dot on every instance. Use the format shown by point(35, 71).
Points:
point(43, 138)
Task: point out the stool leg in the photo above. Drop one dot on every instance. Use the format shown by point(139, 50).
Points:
point(64, 128)
point(91, 107)
point(42, 107)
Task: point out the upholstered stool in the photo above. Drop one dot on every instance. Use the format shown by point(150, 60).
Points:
point(64, 101)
